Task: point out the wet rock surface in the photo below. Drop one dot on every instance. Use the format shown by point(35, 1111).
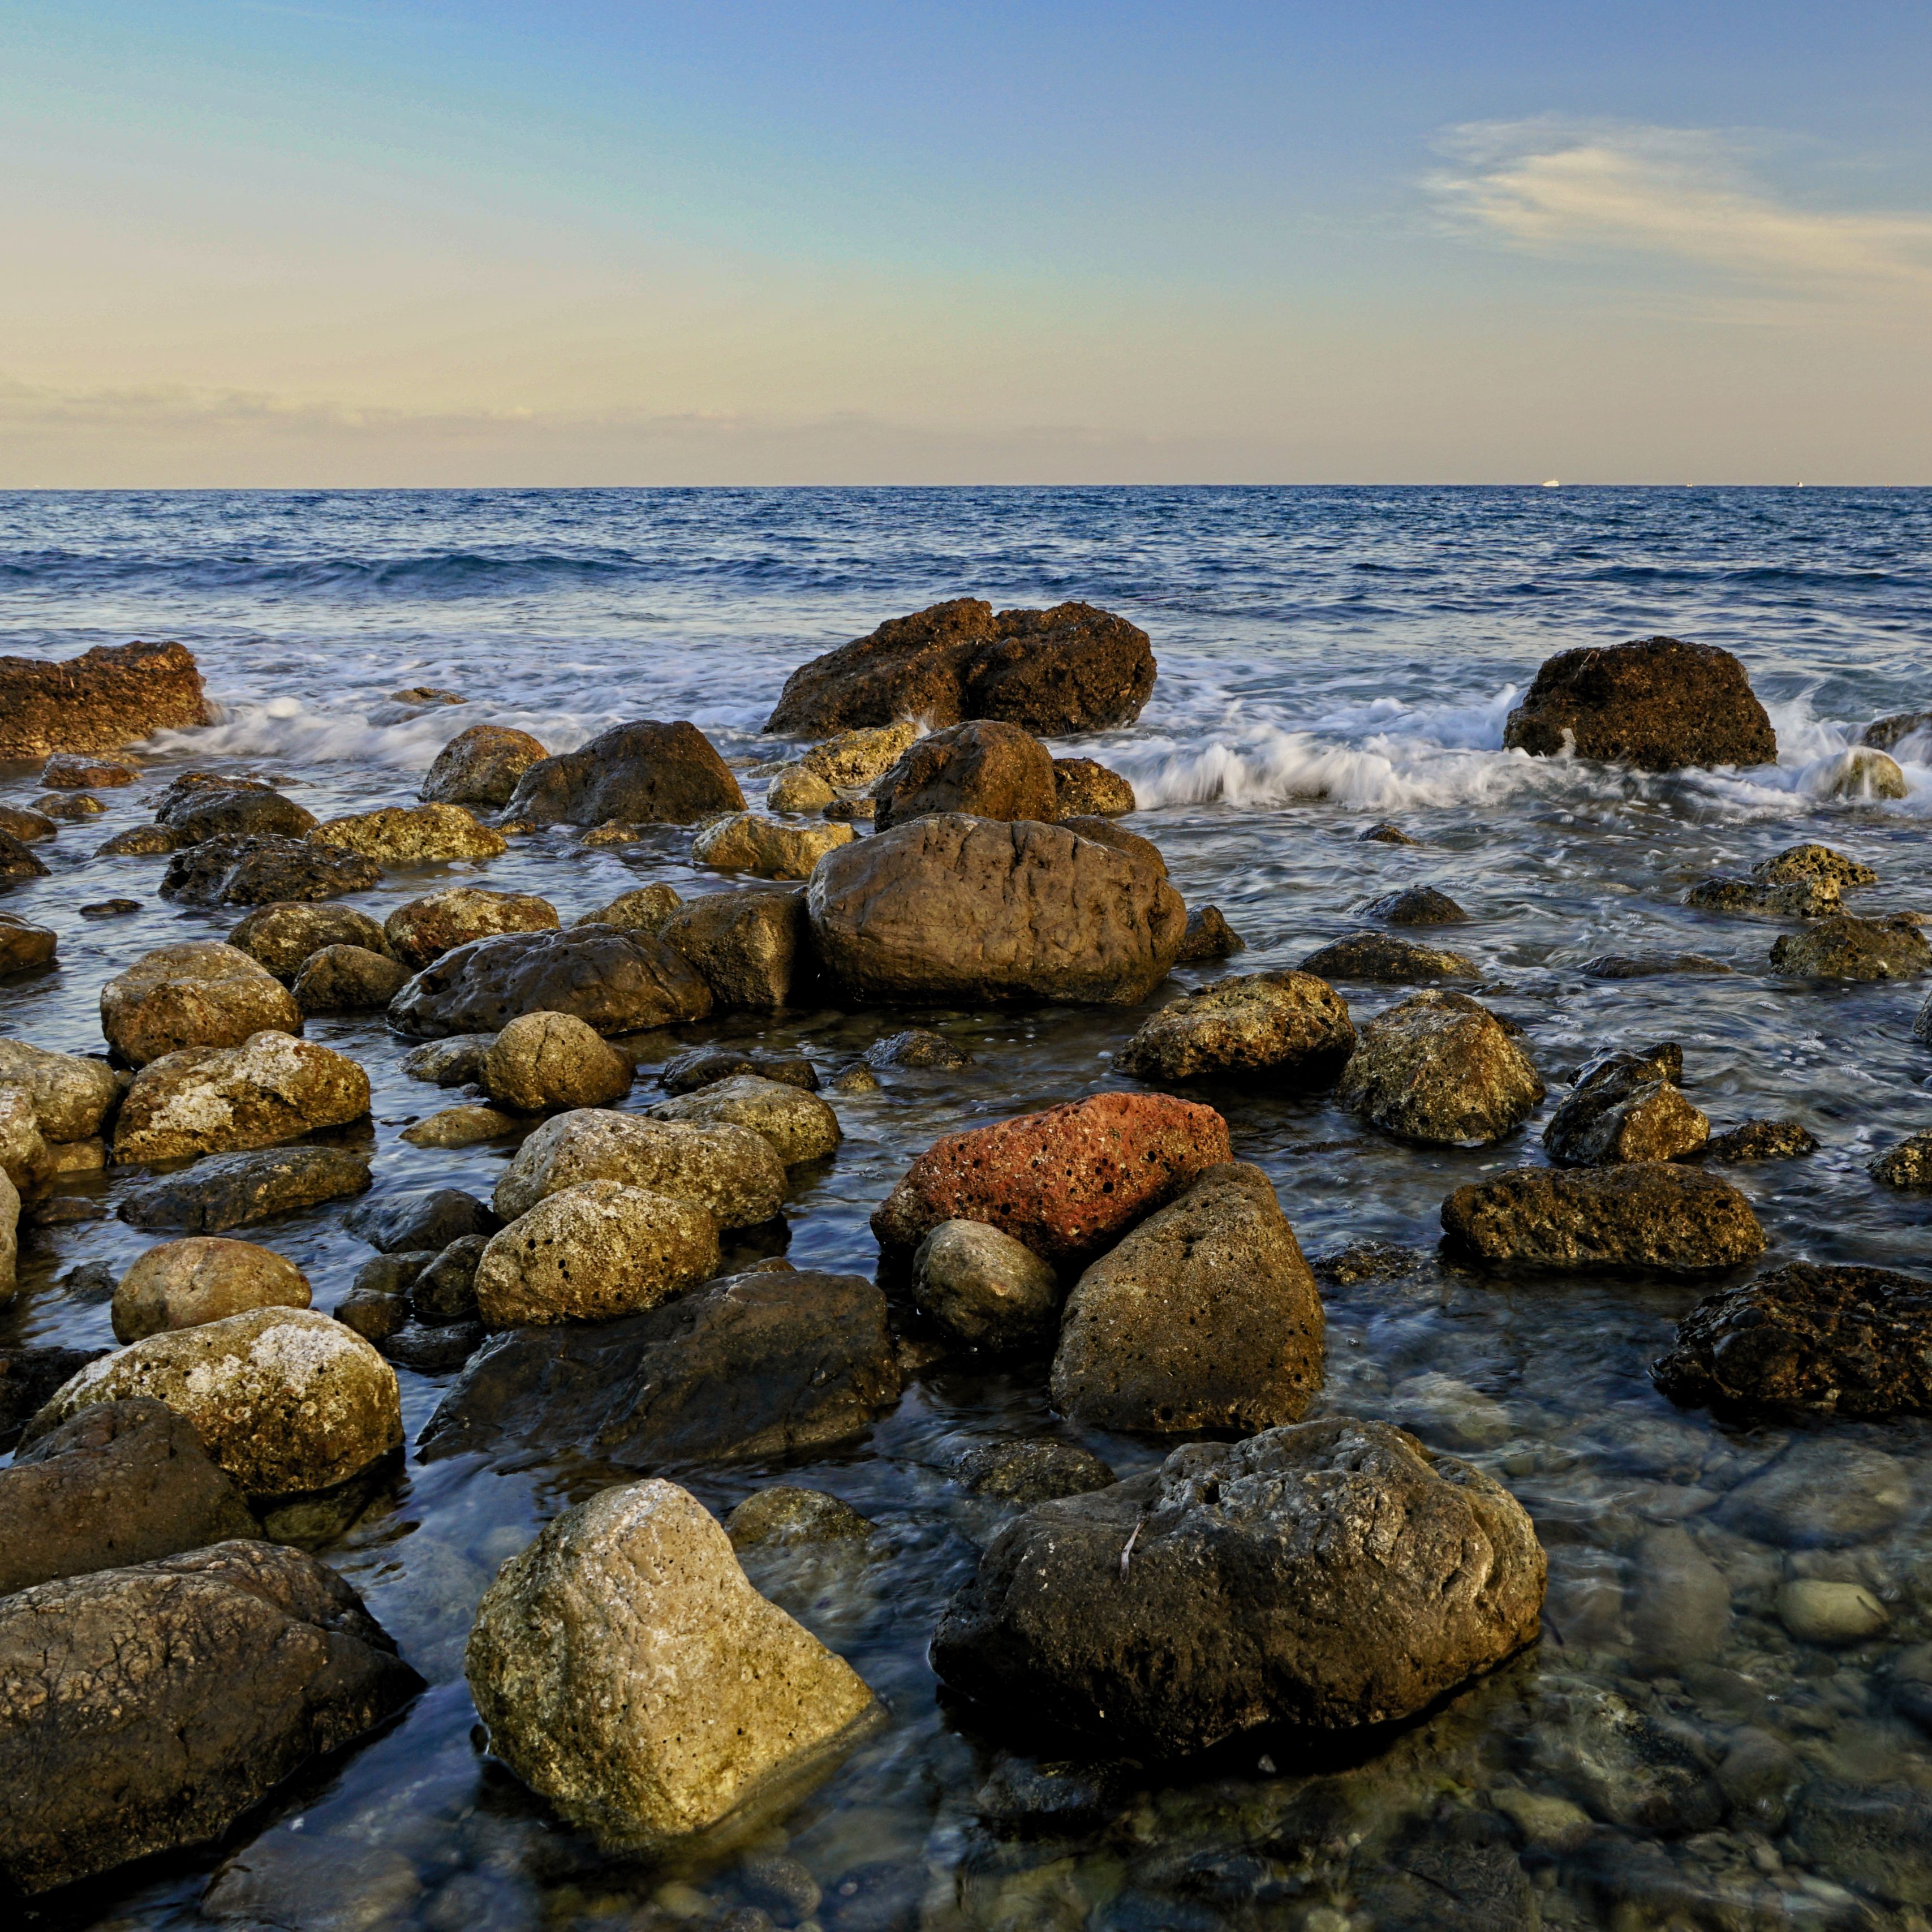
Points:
point(644, 773)
point(1843, 947)
point(348, 979)
point(1380, 957)
point(271, 1089)
point(199, 994)
point(985, 1289)
point(400, 834)
point(749, 947)
point(231, 1190)
point(799, 1126)
point(286, 935)
point(480, 766)
point(424, 929)
point(1289, 1026)
point(204, 1278)
point(1625, 1106)
point(1083, 786)
point(108, 696)
point(983, 768)
point(768, 848)
point(546, 1059)
point(257, 870)
point(1440, 1067)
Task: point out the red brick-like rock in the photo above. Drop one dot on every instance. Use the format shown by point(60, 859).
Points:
point(1068, 1183)
point(103, 699)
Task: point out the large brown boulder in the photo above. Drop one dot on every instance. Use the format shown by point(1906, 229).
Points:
point(73, 1095)
point(204, 1278)
point(421, 930)
point(984, 768)
point(1071, 668)
point(972, 910)
point(1657, 703)
point(752, 947)
point(285, 935)
point(645, 773)
point(480, 766)
point(24, 946)
point(1289, 1027)
point(199, 993)
point(1441, 1068)
point(103, 699)
point(271, 1088)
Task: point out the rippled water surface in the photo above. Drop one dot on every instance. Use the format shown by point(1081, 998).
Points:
point(1327, 659)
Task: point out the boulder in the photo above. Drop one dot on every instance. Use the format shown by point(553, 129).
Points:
point(272, 1088)
point(198, 993)
point(1750, 899)
point(453, 1062)
point(27, 1376)
point(918, 1047)
point(110, 696)
point(759, 1365)
point(614, 981)
point(1758, 1140)
point(233, 1190)
point(183, 1284)
point(1289, 1026)
point(785, 1514)
point(1441, 1069)
point(766, 848)
point(1864, 773)
point(799, 1126)
point(1649, 965)
point(348, 979)
point(16, 862)
point(1208, 936)
point(1205, 1316)
point(25, 1159)
point(423, 1220)
point(1657, 703)
point(285, 1399)
point(1416, 905)
point(1907, 1166)
point(751, 947)
point(546, 1059)
point(461, 1126)
point(1647, 1214)
point(231, 808)
point(593, 1251)
point(985, 1289)
point(974, 910)
point(253, 871)
point(480, 766)
point(796, 789)
point(73, 1095)
point(1806, 1339)
point(1325, 1575)
point(1797, 863)
point(1624, 1107)
point(1067, 1183)
point(1845, 948)
point(418, 835)
point(285, 936)
point(444, 1291)
point(643, 774)
point(147, 1709)
point(858, 758)
point(68, 771)
point(24, 946)
point(643, 909)
point(706, 1066)
point(731, 1172)
point(28, 827)
point(1082, 788)
point(1071, 668)
point(1382, 957)
point(698, 1701)
point(983, 768)
point(139, 841)
point(424, 929)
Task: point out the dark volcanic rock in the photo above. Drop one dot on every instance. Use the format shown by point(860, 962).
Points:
point(647, 773)
point(750, 948)
point(1884, 734)
point(231, 1189)
point(706, 1066)
point(1758, 1140)
point(761, 1364)
point(1649, 965)
point(445, 1291)
point(1626, 1107)
point(253, 871)
point(145, 1709)
point(1382, 957)
point(239, 808)
point(983, 768)
point(105, 698)
point(29, 1376)
point(1208, 936)
point(1657, 703)
point(1419, 905)
point(16, 862)
point(424, 1220)
point(1843, 947)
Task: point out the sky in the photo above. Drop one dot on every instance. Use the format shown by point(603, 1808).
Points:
point(411, 242)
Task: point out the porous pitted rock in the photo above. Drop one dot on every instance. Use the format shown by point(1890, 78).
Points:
point(1647, 1214)
point(139, 841)
point(411, 835)
point(1759, 1140)
point(68, 771)
point(285, 1399)
point(797, 789)
point(1863, 773)
point(768, 848)
point(592, 1251)
point(285, 936)
point(643, 909)
point(647, 773)
point(1441, 1068)
point(1797, 862)
point(461, 1126)
point(799, 1126)
point(1327, 1574)
point(985, 1289)
point(1830, 1341)
point(1208, 936)
point(1624, 1107)
point(1416, 905)
point(861, 757)
point(253, 871)
point(785, 1513)
point(16, 862)
point(1067, 1183)
point(1291, 1026)
point(25, 1159)
point(984, 768)
point(1071, 668)
point(233, 1190)
point(424, 929)
point(348, 979)
point(1030, 1471)
point(1082, 787)
point(731, 1172)
point(614, 981)
point(112, 695)
point(182, 1284)
point(1382, 958)
point(72, 1095)
point(28, 827)
point(24, 946)
point(628, 1672)
point(1648, 965)
point(271, 1089)
point(1907, 1166)
point(916, 1046)
point(199, 993)
point(423, 1219)
point(1205, 1316)
point(1846, 948)
point(146, 1708)
point(480, 766)
point(1798, 898)
point(750, 947)
point(759, 1365)
point(975, 910)
point(706, 1066)
point(233, 809)
point(1657, 703)
point(545, 1059)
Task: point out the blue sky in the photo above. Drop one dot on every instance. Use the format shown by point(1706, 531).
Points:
point(442, 243)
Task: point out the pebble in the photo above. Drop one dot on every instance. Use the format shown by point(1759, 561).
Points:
point(1814, 1612)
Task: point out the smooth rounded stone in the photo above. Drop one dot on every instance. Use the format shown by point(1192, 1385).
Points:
point(1383, 958)
point(272, 1088)
point(858, 758)
point(232, 1189)
point(1863, 773)
point(628, 1672)
point(24, 946)
point(423, 930)
point(198, 993)
point(547, 1059)
point(1208, 936)
point(1067, 1183)
point(454, 1062)
point(1070, 669)
point(480, 766)
point(376, 1318)
point(767, 847)
point(646, 773)
point(411, 835)
point(146, 1708)
point(1846, 948)
point(1798, 862)
point(1649, 965)
point(972, 911)
point(1291, 1025)
point(1877, 1836)
point(918, 1047)
point(593, 1252)
point(466, 1126)
point(705, 1066)
point(204, 1278)
point(284, 1399)
point(1624, 1107)
point(1205, 1316)
point(72, 806)
point(798, 788)
point(17, 862)
point(984, 768)
point(1035, 1469)
point(749, 946)
point(72, 1096)
point(1446, 1883)
point(1798, 898)
point(1629, 1768)
point(1441, 1069)
point(348, 979)
point(125, 1482)
point(1908, 1166)
point(111, 695)
point(29, 1376)
point(1823, 1492)
point(985, 1289)
point(231, 808)
point(1083, 787)
point(785, 1513)
point(733, 1172)
point(1908, 1684)
point(1831, 1341)
point(445, 1290)
point(315, 1883)
point(1680, 1604)
point(1416, 905)
point(1657, 704)
point(799, 1126)
point(28, 827)
point(1447, 1413)
point(615, 982)
point(391, 1274)
point(285, 936)
point(68, 771)
point(255, 871)
point(1759, 1140)
point(1328, 1574)
point(140, 841)
point(643, 909)
point(760, 1365)
point(421, 1220)
point(1816, 1612)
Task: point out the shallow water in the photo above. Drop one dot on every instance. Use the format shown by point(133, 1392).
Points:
point(1327, 659)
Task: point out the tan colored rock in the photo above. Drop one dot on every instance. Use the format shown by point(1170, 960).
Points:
point(406, 834)
point(72, 1095)
point(87, 1157)
point(205, 1278)
point(461, 1127)
point(546, 1059)
point(798, 788)
point(65, 772)
point(799, 1126)
point(1441, 1068)
point(984, 767)
point(630, 1674)
point(1863, 773)
point(856, 758)
point(200, 993)
point(747, 842)
point(24, 946)
point(746, 945)
point(425, 929)
point(1291, 1026)
point(271, 1089)
point(24, 1158)
point(28, 827)
point(285, 936)
point(480, 766)
point(106, 697)
point(643, 909)
point(10, 1238)
point(348, 979)
point(1083, 787)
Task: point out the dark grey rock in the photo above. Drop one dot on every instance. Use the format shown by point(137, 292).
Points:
point(255, 871)
point(706, 1066)
point(453, 1062)
point(918, 1047)
point(423, 1218)
point(445, 1291)
point(231, 1189)
point(639, 774)
point(1417, 905)
point(1382, 958)
point(29, 1376)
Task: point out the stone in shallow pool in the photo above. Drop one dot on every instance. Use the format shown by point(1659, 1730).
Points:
point(1823, 1492)
point(1843, 947)
point(230, 1190)
point(1814, 862)
point(1289, 1027)
point(1382, 957)
point(1649, 965)
point(1443, 1069)
point(1759, 1140)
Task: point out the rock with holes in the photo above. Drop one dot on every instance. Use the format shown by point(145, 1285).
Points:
point(424, 929)
point(25, 1157)
point(1799, 863)
point(204, 1278)
point(480, 766)
point(73, 1095)
point(271, 1089)
point(112, 695)
point(1843, 947)
point(1288, 1027)
point(646, 773)
point(1441, 1068)
point(859, 757)
point(198, 993)
point(411, 835)
point(1083, 788)
point(799, 1126)
point(285, 936)
point(548, 1060)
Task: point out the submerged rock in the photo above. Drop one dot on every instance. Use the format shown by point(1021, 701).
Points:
point(423, 930)
point(271, 1089)
point(286, 935)
point(253, 871)
point(183, 1284)
point(1625, 1107)
point(799, 1126)
point(766, 848)
point(1081, 787)
point(985, 1289)
point(1382, 958)
point(480, 766)
point(1886, 734)
point(750, 947)
point(1908, 1166)
point(547, 1059)
point(646, 773)
point(783, 1512)
point(1033, 1470)
point(1863, 772)
point(232, 1189)
point(112, 695)
point(411, 835)
point(1816, 1611)
point(1441, 1068)
point(983, 768)
point(1798, 862)
point(1823, 1492)
point(199, 994)
point(1291, 1025)
point(421, 1221)
point(1649, 965)
point(706, 1066)
point(1798, 898)
point(1758, 1140)
point(1417, 905)
point(1843, 947)
point(918, 1047)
